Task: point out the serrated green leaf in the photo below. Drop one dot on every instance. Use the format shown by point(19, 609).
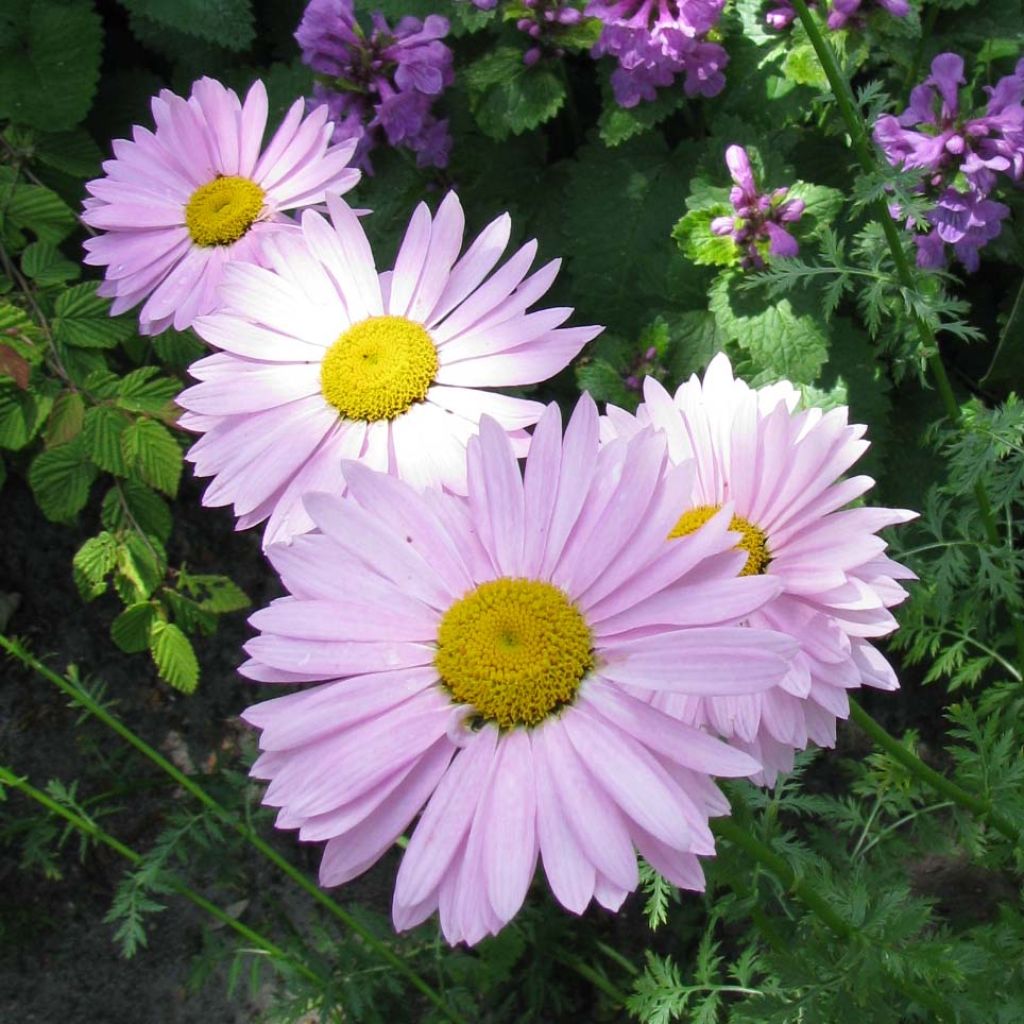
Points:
point(507, 97)
point(604, 382)
point(151, 452)
point(36, 209)
point(102, 433)
point(216, 593)
point(22, 414)
point(178, 349)
point(130, 630)
point(802, 66)
point(188, 614)
point(73, 152)
point(45, 264)
point(228, 23)
point(785, 337)
point(143, 390)
point(93, 561)
point(141, 565)
point(132, 506)
point(66, 419)
point(174, 657)
point(694, 237)
point(83, 319)
point(49, 62)
point(821, 207)
point(694, 339)
point(60, 479)
point(617, 124)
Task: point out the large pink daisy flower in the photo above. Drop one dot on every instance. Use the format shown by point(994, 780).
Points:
point(324, 359)
point(179, 203)
point(780, 471)
point(493, 659)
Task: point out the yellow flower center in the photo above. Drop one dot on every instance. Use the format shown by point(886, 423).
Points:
point(753, 540)
point(379, 368)
point(516, 650)
point(222, 210)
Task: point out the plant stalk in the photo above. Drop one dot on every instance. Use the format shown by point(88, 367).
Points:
point(861, 144)
point(93, 831)
point(83, 699)
point(979, 806)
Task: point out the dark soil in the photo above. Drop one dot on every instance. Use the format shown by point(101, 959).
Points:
point(58, 961)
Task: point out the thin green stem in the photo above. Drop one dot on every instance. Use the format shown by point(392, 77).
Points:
point(93, 831)
point(977, 805)
point(900, 822)
point(614, 954)
point(727, 828)
point(861, 144)
point(82, 698)
point(596, 978)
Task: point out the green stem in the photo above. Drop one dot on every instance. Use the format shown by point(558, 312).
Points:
point(727, 828)
point(596, 978)
point(862, 149)
point(977, 805)
point(91, 829)
point(82, 698)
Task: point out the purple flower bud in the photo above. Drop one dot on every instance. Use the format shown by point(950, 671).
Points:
point(722, 226)
point(532, 56)
point(651, 353)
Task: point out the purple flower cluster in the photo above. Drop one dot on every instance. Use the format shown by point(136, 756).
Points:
point(960, 158)
point(656, 40)
point(782, 14)
point(546, 21)
point(758, 216)
point(381, 84)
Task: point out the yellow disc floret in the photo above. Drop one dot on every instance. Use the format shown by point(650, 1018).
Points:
point(379, 368)
point(753, 539)
point(222, 210)
point(516, 650)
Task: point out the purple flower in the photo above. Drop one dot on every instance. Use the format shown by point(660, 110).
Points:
point(545, 23)
point(844, 11)
point(379, 86)
point(960, 158)
point(656, 40)
point(782, 14)
point(759, 217)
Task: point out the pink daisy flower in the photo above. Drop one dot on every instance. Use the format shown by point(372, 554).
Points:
point(493, 660)
point(324, 359)
point(180, 203)
point(780, 472)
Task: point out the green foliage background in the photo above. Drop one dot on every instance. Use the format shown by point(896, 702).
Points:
point(625, 197)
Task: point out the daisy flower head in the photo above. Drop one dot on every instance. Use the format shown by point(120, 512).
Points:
point(325, 359)
point(178, 204)
point(489, 661)
point(780, 471)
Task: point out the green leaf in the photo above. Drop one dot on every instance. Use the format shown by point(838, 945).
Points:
point(694, 339)
point(22, 414)
point(693, 233)
point(83, 319)
point(188, 615)
point(803, 67)
point(66, 419)
point(49, 62)
point(174, 657)
point(44, 263)
point(60, 478)
point(509, 98)
point(130, 630)
point(37, 209)
point(617, 124)
point(142, 564)
point(604, 382)
point(783, 339)
point(151, 451)
point(74, 152)
point(143, 391)
point(103, 431)
point(92, 562)
point(822, 206)
point(228, 23)
point(135, 506)
point(178, 349)
point(216, 593)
